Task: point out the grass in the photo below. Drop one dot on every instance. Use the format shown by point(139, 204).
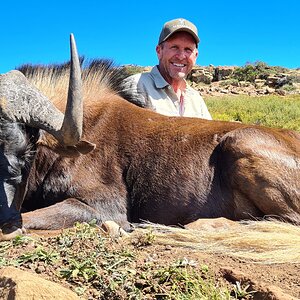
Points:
point(98, 267)
point(271, 111)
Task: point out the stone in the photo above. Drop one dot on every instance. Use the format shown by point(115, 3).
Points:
point(222, 73)
point(259, 83)
point(201, 75)
point(16, 284)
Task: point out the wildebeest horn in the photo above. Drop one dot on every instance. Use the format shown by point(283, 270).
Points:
point(20, 101)
point(72, 125)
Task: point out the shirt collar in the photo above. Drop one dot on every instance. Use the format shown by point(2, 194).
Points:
point(159, 81)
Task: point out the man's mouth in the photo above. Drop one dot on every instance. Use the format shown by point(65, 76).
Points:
point(178, 65)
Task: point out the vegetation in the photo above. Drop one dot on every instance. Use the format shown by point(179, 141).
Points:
point(272, 110)
point(98, 267)
point(257, 70)
point(159, 262)
point(132, 69)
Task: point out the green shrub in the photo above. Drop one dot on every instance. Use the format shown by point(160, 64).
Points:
point(133, 69)
point(257, 70)
point(288, 87)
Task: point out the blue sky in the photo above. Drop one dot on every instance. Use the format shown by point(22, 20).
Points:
point(231, 32)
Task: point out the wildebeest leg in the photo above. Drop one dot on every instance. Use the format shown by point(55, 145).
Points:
point(64, 214)
point(262, 172)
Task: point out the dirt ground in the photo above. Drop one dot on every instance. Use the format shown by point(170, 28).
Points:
point(269, 279)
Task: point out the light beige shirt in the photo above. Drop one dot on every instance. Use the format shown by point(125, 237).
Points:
point(156, 93)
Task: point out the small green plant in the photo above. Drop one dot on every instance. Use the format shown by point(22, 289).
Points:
point(39, 254)
point(145, 239)
point(241, 292)
point(21, 240)
point(85, 269)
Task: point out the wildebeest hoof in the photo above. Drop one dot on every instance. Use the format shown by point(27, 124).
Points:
point(113, 229)
point(12, 233)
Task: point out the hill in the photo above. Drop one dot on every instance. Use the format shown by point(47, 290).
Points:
point(252, 79)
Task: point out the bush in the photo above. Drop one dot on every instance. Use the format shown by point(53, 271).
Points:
point(257, 70)
point(248, 73)
point(133, 69)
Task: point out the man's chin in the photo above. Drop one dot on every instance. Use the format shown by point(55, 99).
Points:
point(179, 75)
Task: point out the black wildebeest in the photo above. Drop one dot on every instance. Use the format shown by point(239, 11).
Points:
point(146, 166)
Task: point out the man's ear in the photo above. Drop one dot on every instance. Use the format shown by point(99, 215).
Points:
point(158, 51)
point(196, 52)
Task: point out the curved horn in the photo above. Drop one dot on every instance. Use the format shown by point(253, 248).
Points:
point(20, 101)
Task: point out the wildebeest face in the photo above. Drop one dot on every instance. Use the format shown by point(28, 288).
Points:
point(17, 148)
point(24, 110)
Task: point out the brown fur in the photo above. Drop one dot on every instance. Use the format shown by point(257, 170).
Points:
point(168, 170)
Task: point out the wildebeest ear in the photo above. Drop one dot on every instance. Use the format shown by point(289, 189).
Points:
point(82, 147)
point(85, 147)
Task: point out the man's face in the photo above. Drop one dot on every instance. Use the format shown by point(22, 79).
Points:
point(177, 56)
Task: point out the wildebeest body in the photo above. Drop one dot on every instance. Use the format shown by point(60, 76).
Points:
point(146, 166)
point(167, 170)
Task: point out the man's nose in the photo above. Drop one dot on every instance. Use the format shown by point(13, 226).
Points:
point(181, 54)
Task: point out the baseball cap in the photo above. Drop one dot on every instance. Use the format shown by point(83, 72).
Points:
point(175, 25)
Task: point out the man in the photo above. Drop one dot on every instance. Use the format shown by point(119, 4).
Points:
point(165, 89)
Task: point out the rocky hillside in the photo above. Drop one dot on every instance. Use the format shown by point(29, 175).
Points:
point(257, 79)
point(252, 79)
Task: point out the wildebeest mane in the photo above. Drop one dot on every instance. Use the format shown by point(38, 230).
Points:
point(98, 76)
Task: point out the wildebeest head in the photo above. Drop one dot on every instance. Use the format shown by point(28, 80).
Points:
point(24, 110)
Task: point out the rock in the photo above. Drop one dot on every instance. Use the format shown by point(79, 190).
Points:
point(259, 83)
point(281, 92)
point(277, 80)
point(259, 290)
point(270, 90)
point(222, 73)
point(201, 75)
point(205, 78)
point(235, 92)
point(223, 91)
point(16, 284)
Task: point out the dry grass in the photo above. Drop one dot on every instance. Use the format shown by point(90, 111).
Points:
point(260, 241)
